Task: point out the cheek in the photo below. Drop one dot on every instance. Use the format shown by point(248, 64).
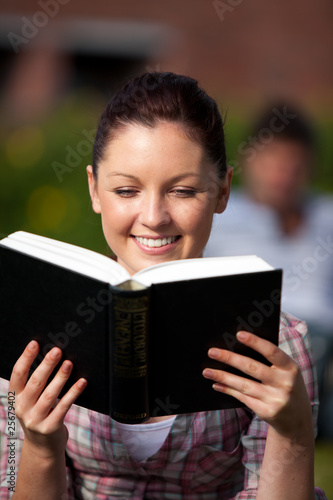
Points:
point(112, 224)
point(198, 221)
point(115, 215)
point(114, 227)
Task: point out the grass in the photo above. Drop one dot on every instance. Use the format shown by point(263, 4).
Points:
point(324, 467)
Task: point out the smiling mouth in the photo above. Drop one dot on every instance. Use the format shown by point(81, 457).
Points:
point(156, 243)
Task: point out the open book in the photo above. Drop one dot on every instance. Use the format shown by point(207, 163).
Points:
point(141, 341)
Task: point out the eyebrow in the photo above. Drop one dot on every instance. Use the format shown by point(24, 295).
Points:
point(133, 177)
point(113, 174)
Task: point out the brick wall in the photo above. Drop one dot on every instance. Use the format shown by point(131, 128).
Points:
point(236, 48)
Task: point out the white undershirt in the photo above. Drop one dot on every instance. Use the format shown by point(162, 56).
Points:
point(144, 440)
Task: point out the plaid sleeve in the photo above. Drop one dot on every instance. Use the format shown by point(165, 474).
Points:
point(294, 340)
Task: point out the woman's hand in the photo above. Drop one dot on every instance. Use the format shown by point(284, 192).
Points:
point(41, 417)
point(280, 399)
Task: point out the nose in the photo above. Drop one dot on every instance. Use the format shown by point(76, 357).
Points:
point(154, 211)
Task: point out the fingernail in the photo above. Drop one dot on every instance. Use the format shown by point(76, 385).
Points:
point(242, 335)
point(82, 383)
point(208, 373)
point(32, 345)
point(213, 353)
point(54, 353)
point(219, 387)
point(67, 365)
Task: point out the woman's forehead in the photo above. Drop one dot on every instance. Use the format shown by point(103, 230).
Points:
point(165, 144)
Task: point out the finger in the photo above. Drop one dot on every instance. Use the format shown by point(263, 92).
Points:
point(38, 379)
point(59, 412)
point(22, 366)
point(269, 350)
point(228, 381)
point(247, 365)
point(49, 396)
point(255, 404)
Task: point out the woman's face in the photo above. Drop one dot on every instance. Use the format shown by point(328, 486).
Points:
point(157, 194)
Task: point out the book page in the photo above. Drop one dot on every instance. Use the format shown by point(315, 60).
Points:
point(69, 256)
point(179, 270)
point(105, 269)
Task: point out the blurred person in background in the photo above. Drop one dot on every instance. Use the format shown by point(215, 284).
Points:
point(276, 216)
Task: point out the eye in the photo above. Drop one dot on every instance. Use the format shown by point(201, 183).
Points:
point(125, 192)
point(185, 192)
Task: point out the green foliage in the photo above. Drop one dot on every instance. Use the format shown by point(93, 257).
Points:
point(43, 187)
point(323, 467)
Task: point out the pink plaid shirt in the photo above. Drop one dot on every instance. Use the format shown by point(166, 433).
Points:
point(206, 455)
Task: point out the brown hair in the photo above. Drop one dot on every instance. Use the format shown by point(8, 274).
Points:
point(156, 97)
point(294, 125)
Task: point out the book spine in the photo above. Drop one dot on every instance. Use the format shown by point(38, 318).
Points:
point(129, 356)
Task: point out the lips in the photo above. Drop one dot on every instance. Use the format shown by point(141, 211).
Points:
point(156, 242)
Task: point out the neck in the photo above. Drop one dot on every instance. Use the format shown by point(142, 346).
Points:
point(290, 215)
point(290, 221)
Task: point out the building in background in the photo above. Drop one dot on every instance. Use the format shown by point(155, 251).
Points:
point(244, 51)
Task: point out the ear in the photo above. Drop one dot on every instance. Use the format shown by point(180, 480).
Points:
point(224, 192)
point(92, 183)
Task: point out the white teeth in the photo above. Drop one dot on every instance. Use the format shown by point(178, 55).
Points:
point(149, 242)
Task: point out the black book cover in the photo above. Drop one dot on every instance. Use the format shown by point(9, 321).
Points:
point(103, 329)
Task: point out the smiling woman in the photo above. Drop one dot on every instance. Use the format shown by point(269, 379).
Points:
point(158, 177)
point(164, 211)
point(159, 170)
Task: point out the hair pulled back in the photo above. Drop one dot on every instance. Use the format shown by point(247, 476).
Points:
point(164, 97)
